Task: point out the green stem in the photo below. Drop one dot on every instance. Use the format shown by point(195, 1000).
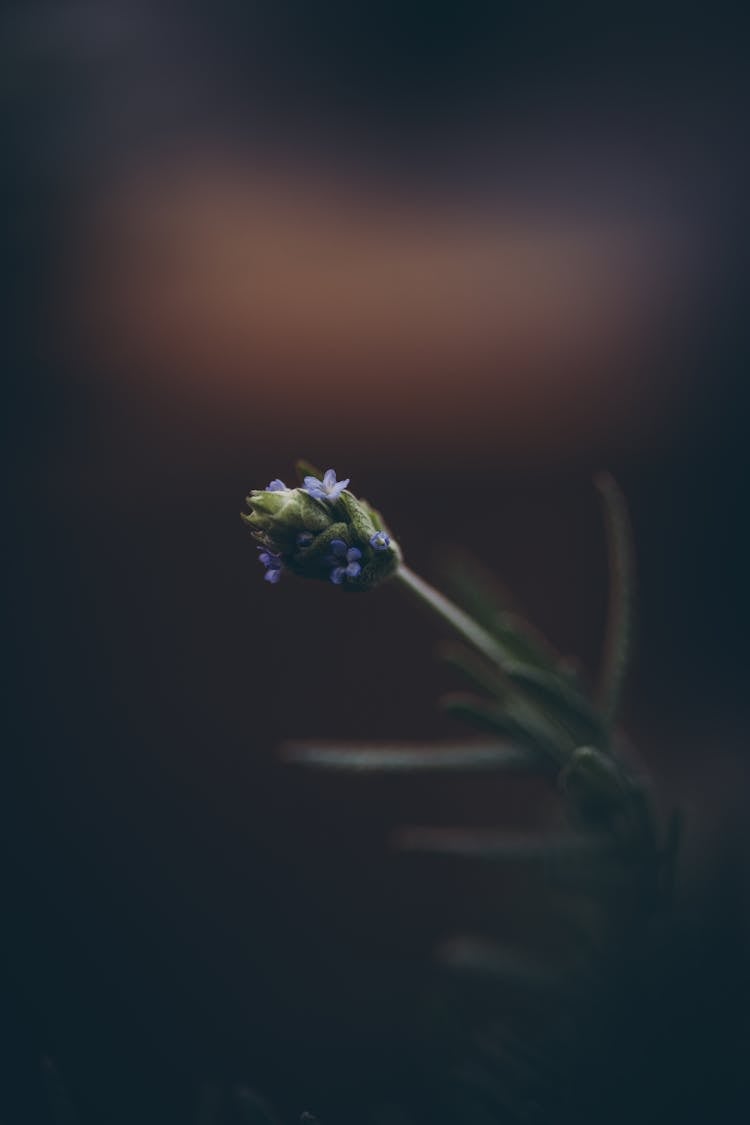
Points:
point(464, 625)
point(554, 740)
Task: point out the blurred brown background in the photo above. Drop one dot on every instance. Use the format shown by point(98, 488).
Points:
point(466, 255)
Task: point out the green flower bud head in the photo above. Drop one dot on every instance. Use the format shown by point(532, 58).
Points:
point(321, 530)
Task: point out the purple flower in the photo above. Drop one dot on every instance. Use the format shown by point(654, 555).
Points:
point(380, 541)
point(273, 564)
point(326, 489)
point(277, 486)
point(344, 560)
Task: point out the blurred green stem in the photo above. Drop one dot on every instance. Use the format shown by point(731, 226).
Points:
point(544, 729)
point(461, 622)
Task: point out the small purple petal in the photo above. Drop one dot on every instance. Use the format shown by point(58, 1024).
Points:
point(353, 554)
point(272, 575)
point(353, 569)
point(327, 489)
point(338, 548)
point(337, 575)
point(277, 486)
point(269, 558)
point(380, 541)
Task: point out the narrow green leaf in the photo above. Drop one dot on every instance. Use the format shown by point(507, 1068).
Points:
point(478, 670)
point(515, 717)
point(561, 700)
point(525, 642)
point(307, 469)
point(554, 692)
point(618, 638)
point(486, 599)
point(411, 757)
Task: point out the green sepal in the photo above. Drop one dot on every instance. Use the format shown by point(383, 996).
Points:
point(357, 516)
point(377, 520)
point(281, 516)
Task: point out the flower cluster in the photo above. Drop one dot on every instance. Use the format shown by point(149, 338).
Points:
point(321, 530)
point(345, 561)
point(272, 563)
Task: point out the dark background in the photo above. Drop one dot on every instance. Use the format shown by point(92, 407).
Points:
point(467, 255)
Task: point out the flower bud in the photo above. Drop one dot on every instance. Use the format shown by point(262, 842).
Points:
point(596, 785)
point(321, 530)
point(283, 515)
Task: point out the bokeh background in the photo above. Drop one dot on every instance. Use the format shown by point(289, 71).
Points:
point(467, 254)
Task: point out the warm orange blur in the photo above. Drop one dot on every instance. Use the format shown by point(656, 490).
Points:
point(531, 330)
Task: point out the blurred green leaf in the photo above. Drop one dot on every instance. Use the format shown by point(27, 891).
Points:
point(514, 717)
point(486, 599)
point(411, 757)
point(307, 469)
